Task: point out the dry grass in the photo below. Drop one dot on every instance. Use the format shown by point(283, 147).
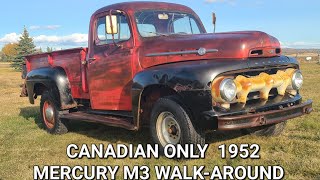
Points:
point(24, 143)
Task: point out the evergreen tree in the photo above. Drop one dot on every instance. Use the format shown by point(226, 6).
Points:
point(25, 47)
point(40, 50)
point(49, 49)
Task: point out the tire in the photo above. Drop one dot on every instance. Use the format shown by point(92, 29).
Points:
point(167, 113)
point(50, 113)
point(269, 130)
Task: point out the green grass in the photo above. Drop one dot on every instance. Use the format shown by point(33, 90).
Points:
point(24, 143)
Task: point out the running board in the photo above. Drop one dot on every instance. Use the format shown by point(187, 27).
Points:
point(107, 120)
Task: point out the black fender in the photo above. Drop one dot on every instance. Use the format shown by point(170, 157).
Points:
point(53, 79)
point(191, 81)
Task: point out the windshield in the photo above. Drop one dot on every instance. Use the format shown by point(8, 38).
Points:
point(163, 23)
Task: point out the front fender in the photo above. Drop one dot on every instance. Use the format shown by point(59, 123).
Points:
point(55, 80)
point(190, 80)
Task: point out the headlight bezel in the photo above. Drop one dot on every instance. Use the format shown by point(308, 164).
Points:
point(222, 90)
point(294, 78)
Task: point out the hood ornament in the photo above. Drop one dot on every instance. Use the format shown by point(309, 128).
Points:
point(202, 51)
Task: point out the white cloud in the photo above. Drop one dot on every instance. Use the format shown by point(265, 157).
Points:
point(34, 27)
point(52, 27)
point(72, 40)
point(10, 38)
point(47, 27)
point(231, 2)
point(301, 45)
point(235, 2)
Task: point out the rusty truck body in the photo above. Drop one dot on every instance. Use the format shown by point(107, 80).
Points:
point(154, 64)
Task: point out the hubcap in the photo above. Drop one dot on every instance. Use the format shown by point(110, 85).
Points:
point(168, 129)
point(48, 114)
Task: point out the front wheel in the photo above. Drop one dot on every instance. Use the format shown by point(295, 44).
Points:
point(171, 124)
point(50, 115)
point(269, 130)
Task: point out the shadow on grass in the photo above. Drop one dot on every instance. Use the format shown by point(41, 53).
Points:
point(117, 135)
point(31, 113)
point(220, 136)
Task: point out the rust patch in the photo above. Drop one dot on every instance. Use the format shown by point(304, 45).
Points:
point(68, 106)
point(180, 88)
point(24, 92)
point(263, 118)
point(215, 89)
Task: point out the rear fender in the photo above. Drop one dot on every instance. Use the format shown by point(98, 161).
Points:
point(54, 80)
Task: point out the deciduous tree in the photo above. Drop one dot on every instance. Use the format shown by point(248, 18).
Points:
point(9, 52)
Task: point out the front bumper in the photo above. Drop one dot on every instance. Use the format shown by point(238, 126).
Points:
point(249, 120)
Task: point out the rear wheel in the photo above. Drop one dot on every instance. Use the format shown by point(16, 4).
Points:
point(171, 124)
point(269, 130)
point(50, 115)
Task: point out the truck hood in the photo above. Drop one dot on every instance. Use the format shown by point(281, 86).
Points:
point(232, 45)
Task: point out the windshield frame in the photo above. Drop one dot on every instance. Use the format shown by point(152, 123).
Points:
point(190, 14)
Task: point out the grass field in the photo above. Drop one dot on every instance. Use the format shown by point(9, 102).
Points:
point(24, 143)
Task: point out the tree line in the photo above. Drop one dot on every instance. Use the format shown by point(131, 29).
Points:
point(15, 52)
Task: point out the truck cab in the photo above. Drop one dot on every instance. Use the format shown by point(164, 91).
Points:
point(153, 64)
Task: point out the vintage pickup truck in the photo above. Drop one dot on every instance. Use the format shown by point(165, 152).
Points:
point(153, 64)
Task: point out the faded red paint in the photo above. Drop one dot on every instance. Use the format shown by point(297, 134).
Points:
point(233, 45)
point(50, 60)
point(84, 80)
point(69, 60)
point(107, 80)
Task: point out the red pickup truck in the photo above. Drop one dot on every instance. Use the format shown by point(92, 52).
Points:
point(153, 64)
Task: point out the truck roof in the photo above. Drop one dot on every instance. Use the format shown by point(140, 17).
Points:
point(141, 5)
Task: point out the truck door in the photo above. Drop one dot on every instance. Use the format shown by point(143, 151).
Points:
point(109, 66)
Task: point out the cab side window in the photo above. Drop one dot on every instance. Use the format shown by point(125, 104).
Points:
point(123, 34)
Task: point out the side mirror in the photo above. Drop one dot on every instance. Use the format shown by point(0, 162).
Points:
point(214, 20)
point(111, 24)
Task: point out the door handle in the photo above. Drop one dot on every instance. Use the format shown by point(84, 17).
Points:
point(88, 61)
point(91, 59)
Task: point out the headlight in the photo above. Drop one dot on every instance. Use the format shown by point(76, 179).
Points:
point(297, 80)
point(228, 89)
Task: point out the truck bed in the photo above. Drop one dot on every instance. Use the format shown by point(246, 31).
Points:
point(69, 60)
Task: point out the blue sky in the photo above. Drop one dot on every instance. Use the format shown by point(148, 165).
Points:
point(64, 23)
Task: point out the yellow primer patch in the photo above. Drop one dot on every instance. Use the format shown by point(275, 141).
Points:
point(262, 83)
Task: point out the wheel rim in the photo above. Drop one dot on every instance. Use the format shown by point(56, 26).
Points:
point(48, 114)
point(168, 129)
